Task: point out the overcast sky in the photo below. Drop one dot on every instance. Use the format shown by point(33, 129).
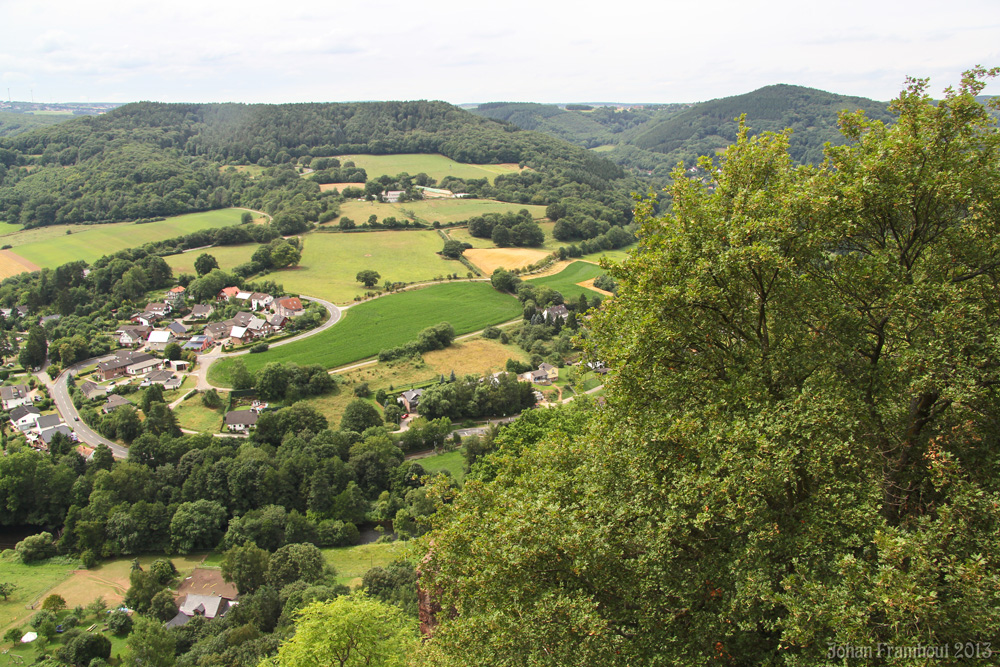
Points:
point(540, 50)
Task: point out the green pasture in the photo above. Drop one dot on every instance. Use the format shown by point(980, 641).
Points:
point(228, 257)
point(435, 166)
point(428, 211)
point(7, 228)
point(330, 262)
point(52, 246)
point(351, 563)
point(452, 461)
point(386, 322)
point(31, 581)
point(565, 282)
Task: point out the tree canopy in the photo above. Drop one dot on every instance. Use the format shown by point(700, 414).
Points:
point(798, 448)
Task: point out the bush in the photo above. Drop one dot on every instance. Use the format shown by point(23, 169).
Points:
point(119, 623)
point(35, 548)
point(259, 347)
point(491, 333)
point(88, 559)
point(362, 390)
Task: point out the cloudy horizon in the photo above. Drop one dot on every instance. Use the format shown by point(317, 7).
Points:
point(552, 52)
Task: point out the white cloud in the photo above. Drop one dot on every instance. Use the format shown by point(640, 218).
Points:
point(543, 50)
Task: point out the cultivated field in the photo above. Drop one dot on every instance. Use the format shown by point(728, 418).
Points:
point(428, 211)
point(567, 281)
point(330, 262)
point(52, 246)
point(435, 166)
point(326, 187)
point(490, 259)
point(227, 257)
point(386, 322)
point(549, 246)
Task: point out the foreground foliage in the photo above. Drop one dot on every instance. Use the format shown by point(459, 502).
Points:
point(799, 444)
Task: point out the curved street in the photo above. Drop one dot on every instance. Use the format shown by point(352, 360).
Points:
point(59, 390)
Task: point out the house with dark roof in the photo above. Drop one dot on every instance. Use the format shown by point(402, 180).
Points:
point(47, 434)
point(410, 399)
point(218, 330)
point(48, 421)
point(259, 300)
point(92, 390)
point(24, 415)
point(177, 328)
point(241, 420)
point(198, 343)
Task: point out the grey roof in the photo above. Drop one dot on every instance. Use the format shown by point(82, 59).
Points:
point(248, 417)
point(160, 376)
point(62, 428)
point(48, 421)
point(242, 319)
point(201, 310)
point(12, 392)
point(177, 327)
point(91, 389)
point(115, 401)
point(208, 605)
point(21, 411)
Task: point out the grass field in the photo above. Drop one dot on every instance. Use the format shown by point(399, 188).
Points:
point(435, 166)
point(194, 416)
point(453, 462)
point(227, 257)
point(353, 562)
point(52, 246)
point(566, 280)
point(31, 581)
point(445, 211)
point(330, 262)
point(386, 322)
point(7, 228)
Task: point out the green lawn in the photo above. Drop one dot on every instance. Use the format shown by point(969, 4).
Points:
point(330, 262)
point(386, 322)
point(194, 416)
point(453, 462)
point(352, 562)
point(31, 581)
point(52, 246)
point(435, 166)
point(565, 282)
point(228, 257)
point(7, 228)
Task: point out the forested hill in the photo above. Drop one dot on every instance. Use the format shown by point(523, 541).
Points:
point(148, 159)
point(655, 138)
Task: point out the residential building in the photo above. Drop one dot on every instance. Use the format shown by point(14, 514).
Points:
point(241, 420)
point(133, 336)
point(159, 339)
point(92, 390)
point(114, 402)
point(260, 300)
point(13, 396)
point(560, 312)
point(201, 311)
point(410, 399)
point(175, 296)
point(227, 293)
point(24, 415)
point(289, 307)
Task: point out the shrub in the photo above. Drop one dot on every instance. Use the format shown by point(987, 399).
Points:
point(119, 622)
point(35, 547)
point(54, 603)
point(491, 332)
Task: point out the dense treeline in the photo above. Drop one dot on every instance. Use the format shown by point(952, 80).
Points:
point(149, 159)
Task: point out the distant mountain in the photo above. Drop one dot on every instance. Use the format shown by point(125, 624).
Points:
point(654, 138)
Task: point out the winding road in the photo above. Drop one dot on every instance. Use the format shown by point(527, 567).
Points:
point(59, 390)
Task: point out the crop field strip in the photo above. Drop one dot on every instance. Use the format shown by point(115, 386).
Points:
point(566, 282)
point(387, 322)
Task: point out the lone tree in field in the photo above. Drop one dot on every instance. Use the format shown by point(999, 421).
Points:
point(368, 277)
point(6, 589)
point(204, 264)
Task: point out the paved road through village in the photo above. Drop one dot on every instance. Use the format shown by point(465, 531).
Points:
point(59, 390)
